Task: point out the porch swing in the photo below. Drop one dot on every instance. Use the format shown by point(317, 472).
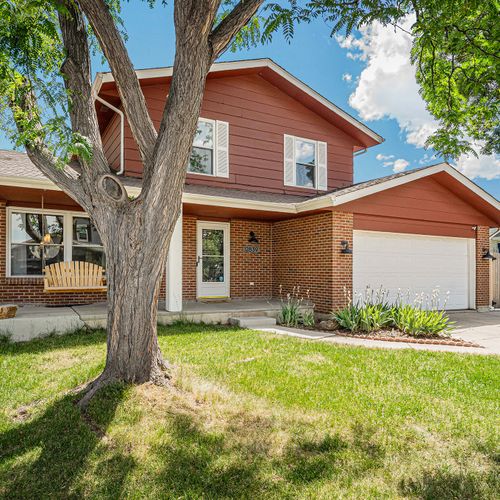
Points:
point(74, 276)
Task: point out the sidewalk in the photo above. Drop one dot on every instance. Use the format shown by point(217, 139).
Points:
point(337, 339)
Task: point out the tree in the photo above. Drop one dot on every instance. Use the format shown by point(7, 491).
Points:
point(45, 81)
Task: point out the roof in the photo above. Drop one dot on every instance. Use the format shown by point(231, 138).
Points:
point(279, 77)
point(17, 164)
point(16, 169)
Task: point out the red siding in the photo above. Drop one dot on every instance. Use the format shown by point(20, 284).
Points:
point(259, 114)
point(422, 207)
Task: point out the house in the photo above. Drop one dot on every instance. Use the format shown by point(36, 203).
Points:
point(495, 267)
point(269, 204)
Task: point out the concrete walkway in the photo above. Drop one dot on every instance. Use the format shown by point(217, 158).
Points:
point(481, 328)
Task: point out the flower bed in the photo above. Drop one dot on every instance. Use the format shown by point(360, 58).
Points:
point(371, 316)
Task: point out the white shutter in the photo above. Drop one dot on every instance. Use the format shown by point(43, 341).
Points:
point(289, 161)
point(222, 146)
point(322, 182)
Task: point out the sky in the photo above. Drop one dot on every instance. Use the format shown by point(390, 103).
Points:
point(368, 74)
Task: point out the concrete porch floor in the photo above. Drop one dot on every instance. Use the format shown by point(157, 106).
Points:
point(38, 321)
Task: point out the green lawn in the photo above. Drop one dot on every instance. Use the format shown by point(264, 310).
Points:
point(250, 415)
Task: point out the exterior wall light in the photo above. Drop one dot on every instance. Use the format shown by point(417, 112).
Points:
point(487, 255)
point(252, 238)
point(345, 247)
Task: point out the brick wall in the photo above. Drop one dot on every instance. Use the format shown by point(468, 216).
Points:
point(188, 258)
point(483, 299)
point(251, 273)
point(306, 253)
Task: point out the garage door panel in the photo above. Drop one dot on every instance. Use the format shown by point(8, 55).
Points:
point(413, 264)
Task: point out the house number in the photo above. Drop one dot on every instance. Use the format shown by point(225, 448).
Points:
point(252, 249)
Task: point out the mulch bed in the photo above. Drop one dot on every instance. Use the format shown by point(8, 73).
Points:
point(397, 336)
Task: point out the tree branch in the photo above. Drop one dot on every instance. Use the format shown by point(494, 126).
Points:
point(77, 79)
point(24, 109)
point(130, 91)
point(224, 32)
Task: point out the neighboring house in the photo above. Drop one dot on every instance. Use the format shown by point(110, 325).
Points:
point(269, 202)
point(495, 267)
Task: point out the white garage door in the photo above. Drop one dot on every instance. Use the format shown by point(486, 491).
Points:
point(415, 264)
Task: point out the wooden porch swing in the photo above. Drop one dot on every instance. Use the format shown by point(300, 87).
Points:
point(74, 276)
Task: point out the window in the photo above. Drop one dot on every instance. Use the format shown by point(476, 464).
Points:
point(86, 245)
point(37, 239)
point(202, 154)
point(305, 163)
point(210, 153)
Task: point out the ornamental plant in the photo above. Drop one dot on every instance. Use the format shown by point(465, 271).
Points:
point(371, 311)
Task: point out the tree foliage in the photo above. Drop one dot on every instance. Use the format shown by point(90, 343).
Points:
point(456, 47)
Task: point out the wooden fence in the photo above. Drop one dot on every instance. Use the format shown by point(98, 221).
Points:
point(495, 280)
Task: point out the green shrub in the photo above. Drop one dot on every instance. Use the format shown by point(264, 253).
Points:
point(349, 317)
point(290, 308)
point(370, 312)
point(419, 322)
point(374, 317)
point(308, 318)
point(291, 314)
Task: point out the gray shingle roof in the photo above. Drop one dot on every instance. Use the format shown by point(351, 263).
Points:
point(17, 164)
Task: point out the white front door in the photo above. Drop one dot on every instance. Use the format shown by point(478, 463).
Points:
point(212, 260)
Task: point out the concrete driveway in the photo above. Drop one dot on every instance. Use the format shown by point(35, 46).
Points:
point(481, 328)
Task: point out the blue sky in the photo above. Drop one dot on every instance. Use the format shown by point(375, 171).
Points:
point(368, 75)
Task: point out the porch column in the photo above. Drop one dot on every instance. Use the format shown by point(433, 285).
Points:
point(173, 295)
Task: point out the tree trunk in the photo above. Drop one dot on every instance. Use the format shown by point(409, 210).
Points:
point(135, 263)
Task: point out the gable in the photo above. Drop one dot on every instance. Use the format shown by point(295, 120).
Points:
point(426, 199)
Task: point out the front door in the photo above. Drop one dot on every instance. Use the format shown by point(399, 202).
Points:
point(212, 262)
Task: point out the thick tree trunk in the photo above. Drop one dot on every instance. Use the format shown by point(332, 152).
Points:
point(135, 263)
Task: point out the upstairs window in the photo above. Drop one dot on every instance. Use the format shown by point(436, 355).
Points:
point(305, 163)
point(210, 153)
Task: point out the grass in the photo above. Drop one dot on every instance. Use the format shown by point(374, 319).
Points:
point(250, 415)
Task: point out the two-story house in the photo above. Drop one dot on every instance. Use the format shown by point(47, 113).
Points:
point(269, 203)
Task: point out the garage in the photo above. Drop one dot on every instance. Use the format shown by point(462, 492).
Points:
point(415, 264)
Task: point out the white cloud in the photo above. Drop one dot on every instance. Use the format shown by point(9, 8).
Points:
point(487, 167)
point(386, 88)
point(347, 77)
point(400, 165)
point(380, 157)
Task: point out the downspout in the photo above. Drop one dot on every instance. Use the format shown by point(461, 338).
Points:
point(95, 88)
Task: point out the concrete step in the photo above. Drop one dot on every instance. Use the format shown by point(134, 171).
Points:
point(253, 322)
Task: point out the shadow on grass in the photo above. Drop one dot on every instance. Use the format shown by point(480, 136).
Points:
point(80, 338)
point(241, 463)
point(43, 457)
point(451, 485)
point(89, 337)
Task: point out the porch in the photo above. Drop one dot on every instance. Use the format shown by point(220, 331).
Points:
point(34, 321)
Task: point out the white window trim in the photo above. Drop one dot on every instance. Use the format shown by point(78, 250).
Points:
point(315, 141)
point(67, 235)
point(214, 149)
